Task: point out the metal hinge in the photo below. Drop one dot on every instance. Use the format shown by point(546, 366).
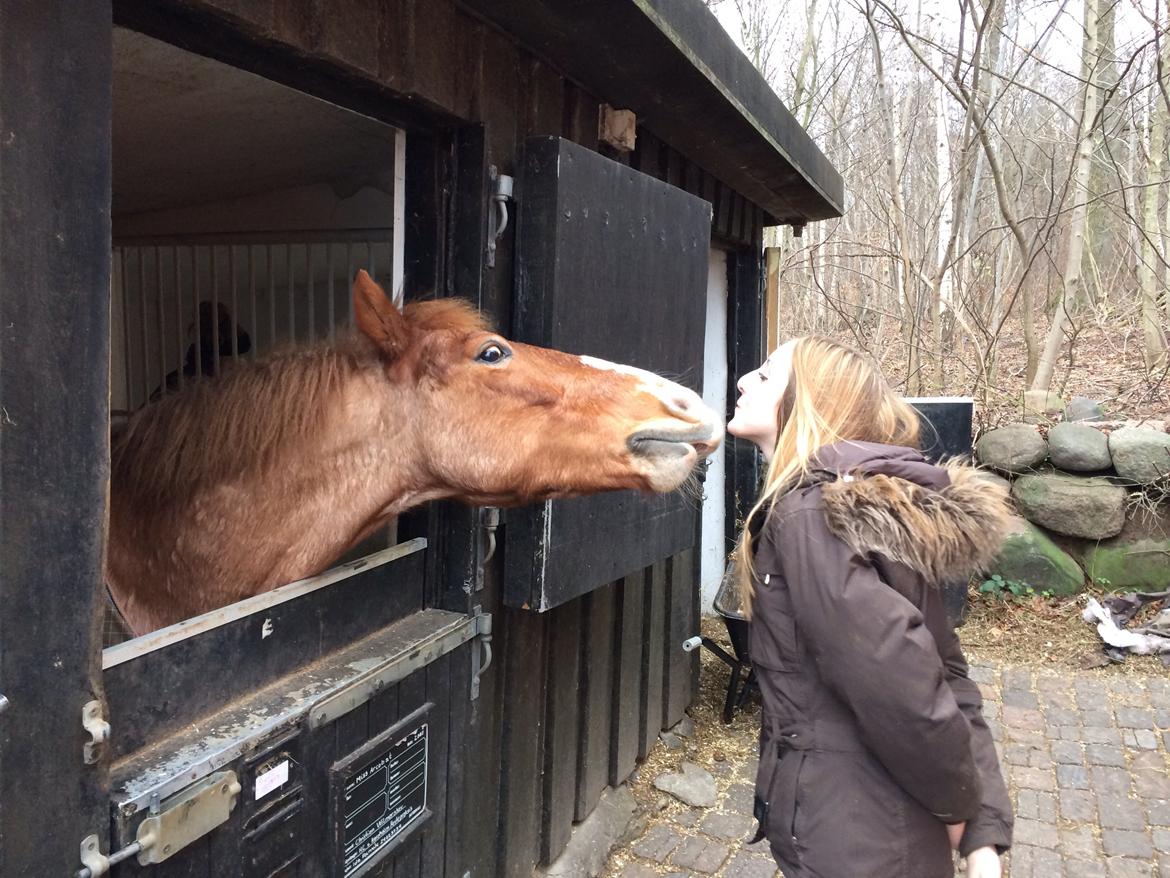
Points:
point(182, 819)
point(95, 724)
point(488, 522)
point(497, 211)
point(480, 662)
point(490, 519)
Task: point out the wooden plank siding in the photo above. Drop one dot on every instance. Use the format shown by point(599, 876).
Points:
point(628, 680)
point(573, 698)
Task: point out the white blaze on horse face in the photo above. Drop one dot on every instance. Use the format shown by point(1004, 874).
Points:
point(679, 401)
point(666, 449)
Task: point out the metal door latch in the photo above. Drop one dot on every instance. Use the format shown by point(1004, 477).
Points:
point(188, 816)
point(489, 520)
point(483, 630)
point(497, 211)
point(95, 863)
point(99, 731)
point(182, 819)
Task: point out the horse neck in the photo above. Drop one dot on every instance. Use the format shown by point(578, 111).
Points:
point(376, 464)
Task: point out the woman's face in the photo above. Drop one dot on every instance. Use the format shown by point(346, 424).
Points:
point(758, 406)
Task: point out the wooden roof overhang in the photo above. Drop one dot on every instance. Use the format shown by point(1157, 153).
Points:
point(672, 63)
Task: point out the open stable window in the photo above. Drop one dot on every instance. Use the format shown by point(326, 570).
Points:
point(241, 211)
point(611, 263)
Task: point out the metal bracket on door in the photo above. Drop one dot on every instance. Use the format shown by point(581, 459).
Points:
point(483, 631)
point(497, 211)
point(182, 819)
point(488, 521)
point(95, 724)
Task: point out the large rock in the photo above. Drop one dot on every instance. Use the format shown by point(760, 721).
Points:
point(1028, 556)
point(1141, 456)
point(1016, 448)
point(1081, 408)
point(1140, 566)
point(693, 785)
point(1090, 508)
point(1136, 559)
point(1078, 448)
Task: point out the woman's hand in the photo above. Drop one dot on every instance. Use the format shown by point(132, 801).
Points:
point(983, 863)
point(955, 833)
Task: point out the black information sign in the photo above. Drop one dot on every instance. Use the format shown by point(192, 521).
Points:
point(379, 793)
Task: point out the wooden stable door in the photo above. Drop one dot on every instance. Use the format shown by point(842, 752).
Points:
point(611, 263)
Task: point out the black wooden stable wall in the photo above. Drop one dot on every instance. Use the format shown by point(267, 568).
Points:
point(575, 696)
point(54, 360)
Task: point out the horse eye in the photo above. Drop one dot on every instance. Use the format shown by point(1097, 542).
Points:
point(493, 353)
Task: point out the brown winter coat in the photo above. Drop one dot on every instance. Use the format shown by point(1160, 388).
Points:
point(873, 736)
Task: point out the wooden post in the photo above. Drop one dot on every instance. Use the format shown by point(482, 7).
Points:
point(772, 297)
point(54, 424)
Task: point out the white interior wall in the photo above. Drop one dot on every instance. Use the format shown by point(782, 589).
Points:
point(315, 206)
point(266, 288)
point(714, 546)
point(230, 188)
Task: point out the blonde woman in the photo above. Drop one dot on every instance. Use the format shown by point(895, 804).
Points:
point(875, 759)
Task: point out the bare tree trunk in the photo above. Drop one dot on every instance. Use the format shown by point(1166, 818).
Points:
point(1152, 332)
point(1149, 260)
point(903, 277)
point(986, 91)
point(802, 91)
point(1162, 98)
point(1165, 294)
point(1076, 234)
point(943, 281)
point(1108, 151)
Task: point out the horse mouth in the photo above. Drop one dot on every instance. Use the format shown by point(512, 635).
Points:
point(650, 446)
point(700, 440)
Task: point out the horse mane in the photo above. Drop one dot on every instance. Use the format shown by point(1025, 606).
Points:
point(454, 314)
point(214, 430)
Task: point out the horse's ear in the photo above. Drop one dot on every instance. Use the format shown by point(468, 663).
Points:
point(376, 317)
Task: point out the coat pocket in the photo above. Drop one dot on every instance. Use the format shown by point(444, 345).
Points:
point(784, 805)
point(774, 640)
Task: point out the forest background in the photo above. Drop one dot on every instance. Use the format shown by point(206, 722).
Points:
point(1007, 165)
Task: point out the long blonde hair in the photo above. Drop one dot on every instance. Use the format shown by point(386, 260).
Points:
point(834, 394)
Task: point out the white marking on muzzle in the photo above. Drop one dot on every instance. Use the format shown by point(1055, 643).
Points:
point(678, 399)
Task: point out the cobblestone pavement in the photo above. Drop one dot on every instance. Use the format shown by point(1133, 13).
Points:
point(1086, 757)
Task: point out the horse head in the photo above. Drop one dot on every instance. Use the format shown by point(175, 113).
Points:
point(500, 423)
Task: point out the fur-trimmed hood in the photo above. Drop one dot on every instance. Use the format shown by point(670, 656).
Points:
point(944, 522)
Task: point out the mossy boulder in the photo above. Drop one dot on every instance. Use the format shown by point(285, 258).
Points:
point(1137, 559)
point(1141, 566)
point(1090, 508)
point(1029, 556)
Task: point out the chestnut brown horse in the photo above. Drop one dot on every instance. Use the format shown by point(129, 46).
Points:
point(266, 474)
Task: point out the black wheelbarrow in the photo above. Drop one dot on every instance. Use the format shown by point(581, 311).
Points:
point(742, 684)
